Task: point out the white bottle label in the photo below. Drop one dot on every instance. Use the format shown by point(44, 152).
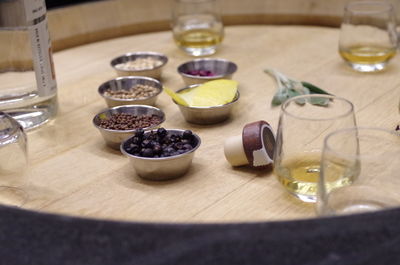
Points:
point(35, 11)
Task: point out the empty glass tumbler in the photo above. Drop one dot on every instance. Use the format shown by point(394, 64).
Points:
point(366, 162)
point(197, 26)
point(13, 160)
point(368, 38)
point(304, 122)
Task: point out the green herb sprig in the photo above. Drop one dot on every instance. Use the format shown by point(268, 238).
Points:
point(288, 88)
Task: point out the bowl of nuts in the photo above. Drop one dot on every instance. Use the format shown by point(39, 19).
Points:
point(119, 123)
point(148, 64)
point(161, 154)
point(199, 71)
point(130, 90)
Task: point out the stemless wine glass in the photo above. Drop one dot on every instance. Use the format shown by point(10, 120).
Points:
point(197, 26)
point(13, 159)
point(303, 124)
point(360, 171)
point(368, 38)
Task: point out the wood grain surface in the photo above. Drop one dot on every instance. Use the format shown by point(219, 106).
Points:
point(72, 172)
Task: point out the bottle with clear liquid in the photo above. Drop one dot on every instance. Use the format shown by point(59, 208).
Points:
point(28, 88)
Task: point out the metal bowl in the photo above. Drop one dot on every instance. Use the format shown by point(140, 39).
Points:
point(125, 83)
point(154, 72)
point(113, 138)
point(207, 115)
point(163, 168)
point(223, 69)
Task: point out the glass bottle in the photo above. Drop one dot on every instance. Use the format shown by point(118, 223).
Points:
point(28, 88)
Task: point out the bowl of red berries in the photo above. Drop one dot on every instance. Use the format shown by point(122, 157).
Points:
point(199, 71)
point(161, 154)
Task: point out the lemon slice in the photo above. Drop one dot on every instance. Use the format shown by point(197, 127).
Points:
point(214, 93)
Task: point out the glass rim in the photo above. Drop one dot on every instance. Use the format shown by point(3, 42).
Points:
point(353, 7)
point(328, 147)
point(293, 99)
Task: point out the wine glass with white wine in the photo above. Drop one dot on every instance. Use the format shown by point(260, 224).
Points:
point(197, 26)
point(368, 37)
point(304, 122)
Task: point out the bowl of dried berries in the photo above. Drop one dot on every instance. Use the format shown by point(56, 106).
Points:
point(199, 71)
point(119, 123)
point(148, 64)
point(161, 154)
point(130, 90)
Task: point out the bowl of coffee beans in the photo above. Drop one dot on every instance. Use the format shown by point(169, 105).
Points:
point(119, 123)
point(161, 154)
point(130, 90)
point(148, 64)
point(199, 71)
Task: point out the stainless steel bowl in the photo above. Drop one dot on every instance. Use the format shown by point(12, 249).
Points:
point(113, 138)
point(154, 72)
point(125, 83)
point(207, 115)
point(223, 69)
point(163, 168)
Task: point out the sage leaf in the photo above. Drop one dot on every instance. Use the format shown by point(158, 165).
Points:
point(288, 88)
point(319, 101)
point(314, 89)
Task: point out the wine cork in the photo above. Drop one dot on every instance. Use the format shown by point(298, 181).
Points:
point(254, 147)
point(234, 151)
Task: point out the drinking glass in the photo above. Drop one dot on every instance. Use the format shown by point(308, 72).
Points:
point(368, 38)
point(197, 27)
point(365, 161)
point(13, 159)
point(304, 122)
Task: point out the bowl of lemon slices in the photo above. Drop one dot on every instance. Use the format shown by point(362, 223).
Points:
point(207, 103)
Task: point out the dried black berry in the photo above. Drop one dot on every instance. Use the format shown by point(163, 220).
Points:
point(160, 143)
point(136, 140)
point(187, 135)
point(147, 152)
point(139, 132)
point(161, 132)
point(187, 147)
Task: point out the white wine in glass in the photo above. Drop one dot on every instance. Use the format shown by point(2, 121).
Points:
point(197, 26)
point(368, 38)
point(301, 130)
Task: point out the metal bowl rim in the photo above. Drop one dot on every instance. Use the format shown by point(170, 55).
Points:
point(164, 60)
point(237, 96)
point(129, 106)
point(161, 158)
point(160, 89)
point(179, 69)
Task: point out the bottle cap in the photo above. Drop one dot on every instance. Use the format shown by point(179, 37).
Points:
point(255, 147)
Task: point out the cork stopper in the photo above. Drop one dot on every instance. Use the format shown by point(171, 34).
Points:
point(255, 147)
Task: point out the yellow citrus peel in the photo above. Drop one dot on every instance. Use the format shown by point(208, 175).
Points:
point(212, 93)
